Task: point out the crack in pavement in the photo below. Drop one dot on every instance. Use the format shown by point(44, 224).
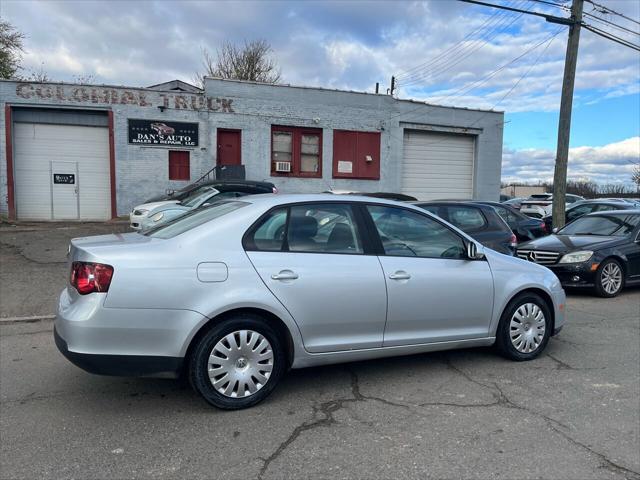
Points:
point(553, 424)
point(18, 251)
point(327, 410)
point(565, 366)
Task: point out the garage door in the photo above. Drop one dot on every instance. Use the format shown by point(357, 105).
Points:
point(61, 172)
point(437, 165)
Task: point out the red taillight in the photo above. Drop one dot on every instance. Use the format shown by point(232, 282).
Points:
point(543, 226)
point(514, 240)
point(91, 277)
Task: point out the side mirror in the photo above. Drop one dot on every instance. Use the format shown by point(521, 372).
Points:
point(472, 251)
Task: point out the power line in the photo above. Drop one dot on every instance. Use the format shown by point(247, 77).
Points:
point(604, 9)
point(449, 63)
point(611, 37)
point(549, 42)
point(615, 25)
point(463, 52)
point(452, 47)
point(467, 88)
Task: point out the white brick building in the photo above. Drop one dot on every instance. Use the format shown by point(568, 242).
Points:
point(93, 151)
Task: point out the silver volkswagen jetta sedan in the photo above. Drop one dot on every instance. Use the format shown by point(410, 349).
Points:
point(235, 294)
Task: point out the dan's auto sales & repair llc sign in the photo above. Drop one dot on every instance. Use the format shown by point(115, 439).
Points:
point(157, 132)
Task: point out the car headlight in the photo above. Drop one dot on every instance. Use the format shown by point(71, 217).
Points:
point(157, 217)
point(577, 257)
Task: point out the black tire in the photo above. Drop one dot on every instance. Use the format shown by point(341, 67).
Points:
point(598, 279)
point(503, 335)
point(199, 361)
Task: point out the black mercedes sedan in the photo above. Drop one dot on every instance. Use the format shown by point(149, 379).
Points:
point(599, 250)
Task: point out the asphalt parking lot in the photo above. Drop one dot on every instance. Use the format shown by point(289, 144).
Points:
point(574, 413)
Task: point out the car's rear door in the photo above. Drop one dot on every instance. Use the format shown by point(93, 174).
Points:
point(435, 293)
point(315, 259)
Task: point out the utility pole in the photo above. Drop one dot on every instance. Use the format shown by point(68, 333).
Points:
point(393, 85)
point(564, 123)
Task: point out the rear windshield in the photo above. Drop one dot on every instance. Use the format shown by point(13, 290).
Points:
point(194, 219)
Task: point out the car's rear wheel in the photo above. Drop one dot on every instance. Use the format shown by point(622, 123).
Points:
point(524, 328)
point(237, 363)
point(609, 279)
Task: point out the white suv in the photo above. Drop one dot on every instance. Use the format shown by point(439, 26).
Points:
point(540, 205)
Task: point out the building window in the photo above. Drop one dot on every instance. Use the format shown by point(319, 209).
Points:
point(296, 151)
point(356, 154)
point(179, 165)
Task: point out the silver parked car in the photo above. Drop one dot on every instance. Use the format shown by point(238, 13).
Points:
point(235, 294)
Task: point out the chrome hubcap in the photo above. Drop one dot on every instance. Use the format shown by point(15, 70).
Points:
point(527, 328)
point(611, 278)
point(240, 364)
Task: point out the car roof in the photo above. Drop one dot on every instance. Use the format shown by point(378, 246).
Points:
point(632, 211)
point(239, 182)
point(271, 199)
point(464, 203)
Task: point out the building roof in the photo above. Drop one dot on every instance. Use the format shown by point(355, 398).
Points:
point(324, 89)
point(177, 85)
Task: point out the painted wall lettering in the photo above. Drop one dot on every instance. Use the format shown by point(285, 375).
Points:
point(110, 96)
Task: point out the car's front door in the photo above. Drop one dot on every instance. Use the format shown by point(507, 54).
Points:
point(435, 293)
point(313, 259)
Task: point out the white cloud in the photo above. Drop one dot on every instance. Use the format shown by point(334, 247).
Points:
point(612, 163)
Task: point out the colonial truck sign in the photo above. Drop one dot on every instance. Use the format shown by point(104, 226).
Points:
point(163, 133)
point(68, 94)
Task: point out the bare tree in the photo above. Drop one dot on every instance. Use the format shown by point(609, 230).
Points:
point(251, 61)
point(11, 49)
point(37, 76)
point(635, 176)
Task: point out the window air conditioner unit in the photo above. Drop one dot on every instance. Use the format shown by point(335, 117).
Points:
point(283, 166)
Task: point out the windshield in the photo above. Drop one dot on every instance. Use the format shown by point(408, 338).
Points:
point(193, 219)
point(611, 225)
point(198, 196)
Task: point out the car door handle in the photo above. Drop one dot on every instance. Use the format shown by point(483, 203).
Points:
point(284, 275)
point(400, 275)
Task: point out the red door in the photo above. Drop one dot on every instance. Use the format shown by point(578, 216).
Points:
point(229, 147)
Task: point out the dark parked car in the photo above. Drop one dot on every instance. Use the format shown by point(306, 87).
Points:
point(599, 250)
point(525, 228)
point(584, 207)
point(514, 202)
point(480, 221)
point(244, 187)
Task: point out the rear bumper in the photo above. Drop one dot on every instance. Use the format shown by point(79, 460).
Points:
point(121, 365)
point(122, 341)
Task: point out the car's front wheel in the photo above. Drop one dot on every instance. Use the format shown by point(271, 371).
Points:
point(237, 363)
point(609, 278)
point(524, 328)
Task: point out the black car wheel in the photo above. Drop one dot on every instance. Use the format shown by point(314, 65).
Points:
point(609, 279)
point(237, 363)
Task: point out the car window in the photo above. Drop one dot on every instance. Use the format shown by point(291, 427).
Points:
point(313, 228)
point(616, 225)
point(430, 208)
point(606, 208)
point(193, 219)
point(269, 236)
point(198, 196)
point(506, 215)
point(467, 219)
point(572, 198)
point(408, 234)
point(327, 228)
point(579, 211)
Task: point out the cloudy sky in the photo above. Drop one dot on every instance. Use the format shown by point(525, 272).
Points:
point(441, 51)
